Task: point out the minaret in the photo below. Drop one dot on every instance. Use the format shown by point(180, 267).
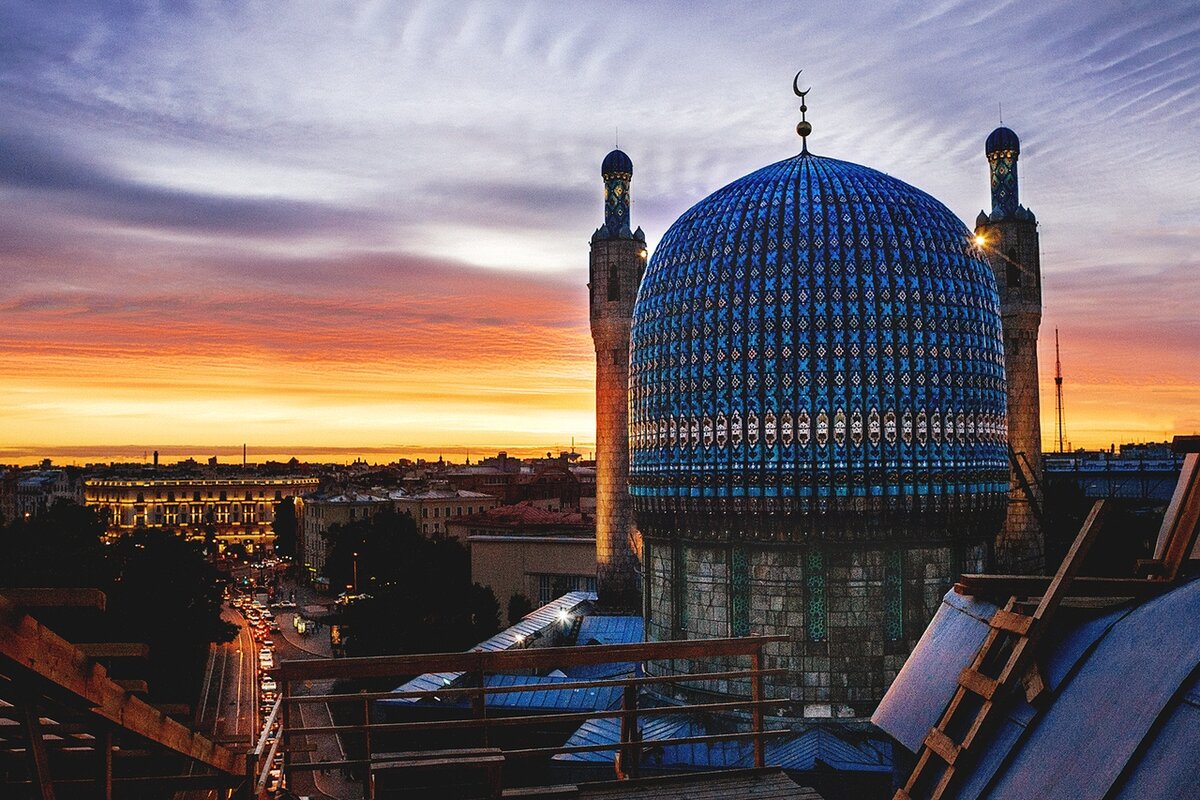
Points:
point(1008, 238)
point(617, 262)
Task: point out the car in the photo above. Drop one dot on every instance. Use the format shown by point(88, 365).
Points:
point(268, 643)
point(273, 627)
point(268, 685)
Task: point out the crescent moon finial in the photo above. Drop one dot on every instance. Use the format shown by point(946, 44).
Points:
point(805, 127)
point(796, 86)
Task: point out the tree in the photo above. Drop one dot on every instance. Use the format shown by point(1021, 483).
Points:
point(421, 595)
point(518, 606)
point(160, 589)
point(286, 527)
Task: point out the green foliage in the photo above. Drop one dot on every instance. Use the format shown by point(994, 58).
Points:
point(518, 606)
point(160, 589)
point(285, 526)
point(422, 598)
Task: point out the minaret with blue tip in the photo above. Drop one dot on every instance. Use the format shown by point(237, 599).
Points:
point(1008, 239)
point(618, 260)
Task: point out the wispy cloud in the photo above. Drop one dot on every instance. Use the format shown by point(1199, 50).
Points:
point(325, 213)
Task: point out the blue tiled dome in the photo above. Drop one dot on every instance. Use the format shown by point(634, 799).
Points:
point(1002, 139)
point(817, 351)
point(616, 163)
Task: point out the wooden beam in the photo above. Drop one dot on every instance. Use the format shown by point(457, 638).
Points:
point(106, 764)
point(133, 685)
point(1005, 586)
point(114, 649)
point(36, 650)
point(501, 660)
point(39, 765)
point(56, 598)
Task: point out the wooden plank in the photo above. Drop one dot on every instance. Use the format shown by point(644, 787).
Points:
point(27, 644)
point(133, 685)
point(978, 683)
point(56, 598)
point(1011, 622)
point(1034, 684)
point(114, 649)
point(1005, 586)
point(942, 745)
point(1182, 528)
point(1187, 476)
point(506, 660)
point(435, 763)
point(39, 764)
point(691, 677)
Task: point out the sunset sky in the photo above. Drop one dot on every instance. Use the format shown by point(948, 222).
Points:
point(365, 226)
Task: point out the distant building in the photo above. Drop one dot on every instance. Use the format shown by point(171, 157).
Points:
point(317, 513)
point(240, 510)
point(431, 509)
point(434, 508)
point(527, 550)
point(556, 482)
point(36, 490)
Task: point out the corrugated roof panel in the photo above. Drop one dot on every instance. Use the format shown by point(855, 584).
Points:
point(539, 620)
point(604, 629)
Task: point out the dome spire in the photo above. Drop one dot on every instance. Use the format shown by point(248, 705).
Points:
point(804, 127)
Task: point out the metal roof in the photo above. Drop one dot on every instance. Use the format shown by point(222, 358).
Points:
point(807, 750)
point(546, 695)
point(1123, 715)
point(513, 636)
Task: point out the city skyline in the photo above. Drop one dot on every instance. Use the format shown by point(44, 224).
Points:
point(310, 229)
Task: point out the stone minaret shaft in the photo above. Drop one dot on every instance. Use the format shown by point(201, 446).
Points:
point(618, 259)
point(1009, 241)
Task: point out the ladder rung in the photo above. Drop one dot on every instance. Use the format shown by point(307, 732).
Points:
point(978, 683)
point(1011, 622)
point(942, 744)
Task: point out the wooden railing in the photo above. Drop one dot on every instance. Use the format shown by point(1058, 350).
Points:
point(475, 665)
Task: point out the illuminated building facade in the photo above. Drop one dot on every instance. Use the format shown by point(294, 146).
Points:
point(239, 509)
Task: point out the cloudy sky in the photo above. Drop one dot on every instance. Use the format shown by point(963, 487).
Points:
point(365, 225)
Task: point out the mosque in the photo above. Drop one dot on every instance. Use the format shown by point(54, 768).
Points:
point(817, 405)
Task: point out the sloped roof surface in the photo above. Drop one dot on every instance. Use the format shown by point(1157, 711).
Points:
point(538, 620)
point(803, 751)
point(1123, 715)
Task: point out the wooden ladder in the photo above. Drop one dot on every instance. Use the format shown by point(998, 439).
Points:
point(1005, 659)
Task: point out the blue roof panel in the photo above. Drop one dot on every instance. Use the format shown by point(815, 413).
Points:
point(1122, 719)
point(1100, 717)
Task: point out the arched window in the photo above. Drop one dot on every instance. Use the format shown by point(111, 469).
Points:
point(614, 283)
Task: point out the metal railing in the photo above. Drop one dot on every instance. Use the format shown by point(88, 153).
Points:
point(745, 710)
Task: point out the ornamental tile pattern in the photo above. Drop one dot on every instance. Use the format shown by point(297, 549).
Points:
point(817, 341)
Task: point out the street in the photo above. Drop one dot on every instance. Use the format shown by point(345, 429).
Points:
point(228, 706)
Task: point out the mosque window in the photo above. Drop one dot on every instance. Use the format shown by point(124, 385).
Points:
point(739, 592)
point(814, 584)
point(893, 596)
point(679, 621)
point(1013, 271)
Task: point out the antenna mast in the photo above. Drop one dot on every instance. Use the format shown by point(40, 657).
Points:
point(1058, 390)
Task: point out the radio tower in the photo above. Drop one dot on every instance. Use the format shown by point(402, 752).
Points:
point(1058, 390)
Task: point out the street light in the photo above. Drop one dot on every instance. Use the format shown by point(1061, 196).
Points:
point(355, 573)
